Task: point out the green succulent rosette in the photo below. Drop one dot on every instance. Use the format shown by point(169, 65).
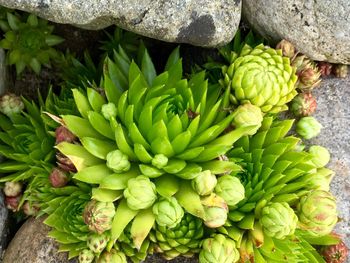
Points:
point(278, 220)
point(308, 127)
point(112, 256)
point(219, 249)
point(29, 43)
point(184, 239)
point(230, 189)
point(261, 76)
point(168, 212)
point(25, 143)
point(99, 215)
point(86, 256)
point(248, 115)
point(166, 132)
point(273, 171)
point(126, 245)
point(317, 212)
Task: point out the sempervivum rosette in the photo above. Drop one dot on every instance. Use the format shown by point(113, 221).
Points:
point(153, 145)
point(275, 177)
point(262, 77)
point(183, 239)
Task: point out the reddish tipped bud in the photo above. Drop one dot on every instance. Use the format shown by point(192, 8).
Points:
point(303, 105)
point(335, 253)
point(288, 49)
point(12, 203)
point(64, 135)
point(325, 68)
point(30, 209)
point(58, 178)
point(12, 189)
point(65, 163)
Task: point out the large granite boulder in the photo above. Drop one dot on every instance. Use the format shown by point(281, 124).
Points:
point(319, 29)
point(333, 112)
point(203, 22)
point(4, 225)
point(31, 244)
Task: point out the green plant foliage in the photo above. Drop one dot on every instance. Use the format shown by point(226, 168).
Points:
point(29, 43)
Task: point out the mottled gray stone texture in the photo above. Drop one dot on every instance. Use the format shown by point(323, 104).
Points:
point(4, 224)
point(31, 245)
point(333, 112)
point(3, 72)
point(318, 28)
point(197, 22)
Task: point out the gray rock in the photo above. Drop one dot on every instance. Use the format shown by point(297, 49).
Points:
point(3, 72)
point(333, 112)
point(4, 224)
point(203, 23)
point(319, 29)
point(31, 244)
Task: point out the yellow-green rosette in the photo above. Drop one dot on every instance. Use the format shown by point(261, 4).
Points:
point(262, 77)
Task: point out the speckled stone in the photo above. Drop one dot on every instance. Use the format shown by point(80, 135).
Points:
point(333, 112)
point(3, 72)
point(319, 29)
point(31, 245)
point(197, 22)
point(4, 225)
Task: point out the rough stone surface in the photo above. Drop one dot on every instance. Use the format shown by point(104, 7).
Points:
point(318, 28)
point(31, 244)
point(203, 23)
point(333, 112)
point(4, 224)
point(3, 72)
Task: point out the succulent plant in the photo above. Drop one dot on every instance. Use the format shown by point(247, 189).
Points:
point(30, 209)
point(184, 239)
point(288, 49)
point(273, 171)
point(321, 179)
point(58, 178)
point(127, 246)
point(62, 134)
point(140, 193)
point(168, 212)
point(109, 110)
point(230, 189)
point(317, 212)
point(325, 68)
point(308, 127)
point(250, 82)
point(11, 104)
point(308, 73)
point(112, 256)
point(304, 104)
point(278, 220)
point(12, 189)
point(25, 143)
point(335, 253)
point(12, 202)
point(204, 183)
point(215, 209)
point(99, 215)
point(118, 161)
point(218, 249)
point(340, 71)
point(86, 256)
point(248, 115)
point(97, 242)
point(65, 212)
point(320, 155)
point(29, 43)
